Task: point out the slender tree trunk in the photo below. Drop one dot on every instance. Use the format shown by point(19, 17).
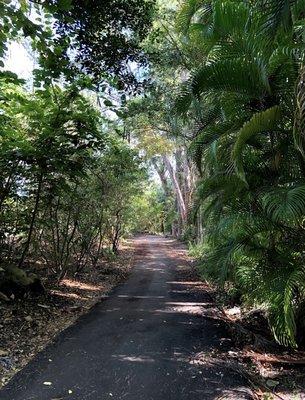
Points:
point(64, 265)
point(167, 188)
point(181, 181)
point(180, 199)
point(8, 184)
point(161, 173)
point(187, 183)
point(117, 231)
point(100, 241)
point(199, 226)
point(33, 219)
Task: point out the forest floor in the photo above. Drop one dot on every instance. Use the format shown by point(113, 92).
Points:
point(27, 325)
point(159, 335)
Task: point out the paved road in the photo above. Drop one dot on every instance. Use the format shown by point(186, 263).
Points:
point(138, 344)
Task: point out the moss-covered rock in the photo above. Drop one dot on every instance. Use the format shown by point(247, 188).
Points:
point(15, 281)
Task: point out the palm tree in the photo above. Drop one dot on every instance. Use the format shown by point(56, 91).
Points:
point(247, 87)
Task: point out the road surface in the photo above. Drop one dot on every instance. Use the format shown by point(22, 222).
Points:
point(140, 343)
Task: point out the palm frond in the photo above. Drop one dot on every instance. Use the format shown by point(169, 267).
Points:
point(237, 75)
point(208, 135)
point(275, 14)
point(183, 100)
point(264, 121)
point(219, 183)
point(230, 17)
point(187, 11)
point(294, 285)
point(285, 204)
point(221, 257)
point(248, 64)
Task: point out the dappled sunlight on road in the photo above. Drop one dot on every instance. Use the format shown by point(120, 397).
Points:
point(156, 337)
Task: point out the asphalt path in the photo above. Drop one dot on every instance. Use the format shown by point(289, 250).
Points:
point(142, 342)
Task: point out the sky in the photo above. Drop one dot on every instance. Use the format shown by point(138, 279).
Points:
point(18, 61)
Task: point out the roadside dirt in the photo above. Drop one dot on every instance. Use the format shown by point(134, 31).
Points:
point(28, 325)
point(272, 371)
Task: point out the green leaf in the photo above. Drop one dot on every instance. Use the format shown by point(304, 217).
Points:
point(262, 122)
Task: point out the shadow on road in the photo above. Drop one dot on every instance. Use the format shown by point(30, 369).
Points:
point(154, 338)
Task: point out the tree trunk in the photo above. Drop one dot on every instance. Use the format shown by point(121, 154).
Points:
point(33, 219)
point(161, 173)
point(199, 234)
point(180, 199)
point(117, 231)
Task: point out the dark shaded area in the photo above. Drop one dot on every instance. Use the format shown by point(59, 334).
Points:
point(140, 343)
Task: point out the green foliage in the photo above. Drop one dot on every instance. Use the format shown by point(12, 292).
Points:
point(251, 153)
point(65, 183)
point(286, 205)
point(235, 75)
point(87, 218)
point(70, 188)
point(92, 39)
point(105, 36)
point(147, 210)
point(262, 122)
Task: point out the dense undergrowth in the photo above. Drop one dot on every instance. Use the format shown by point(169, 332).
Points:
point(248, 89)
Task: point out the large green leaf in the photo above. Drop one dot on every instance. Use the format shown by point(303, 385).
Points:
point(237, 75)
point(187, 11)
point(262, 122)
point(285, 204)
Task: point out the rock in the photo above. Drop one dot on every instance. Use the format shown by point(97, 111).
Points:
point(15, 281)
point(28, 318)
